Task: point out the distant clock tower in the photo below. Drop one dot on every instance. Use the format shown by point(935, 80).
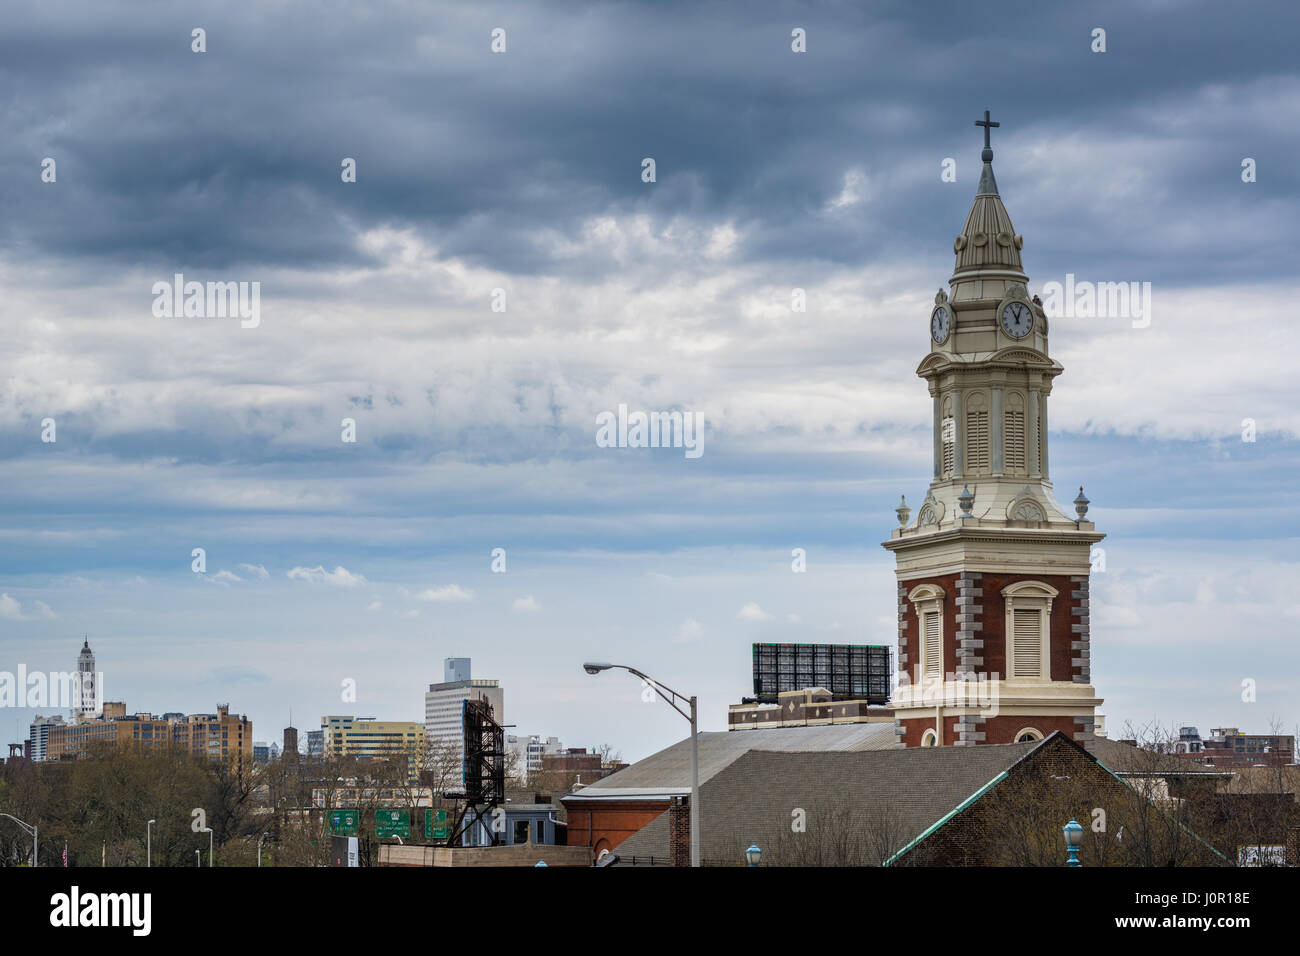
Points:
point(993, 641)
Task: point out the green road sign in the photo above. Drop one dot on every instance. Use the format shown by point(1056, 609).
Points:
point(435, 824)
point(344, 822)
point(393, 823)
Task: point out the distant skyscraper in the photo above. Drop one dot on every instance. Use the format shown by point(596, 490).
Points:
point(444, 705)
point(455, 669)
point(88, 704)
point(315, 743)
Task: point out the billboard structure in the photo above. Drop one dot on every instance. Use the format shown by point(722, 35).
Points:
point(848, 671)
point(484, 775)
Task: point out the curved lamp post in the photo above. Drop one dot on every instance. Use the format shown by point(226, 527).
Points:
point(208, 831)
point(672, 697)
point(29, 828)
point(1073, 839)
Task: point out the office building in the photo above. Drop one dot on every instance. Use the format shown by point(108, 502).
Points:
point(377, 739)
point(444, 705)
point(38, 735)
point(524, 754)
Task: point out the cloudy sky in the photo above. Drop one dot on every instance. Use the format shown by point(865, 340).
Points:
point(521, 171)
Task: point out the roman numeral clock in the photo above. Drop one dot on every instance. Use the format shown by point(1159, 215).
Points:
point(993, 641)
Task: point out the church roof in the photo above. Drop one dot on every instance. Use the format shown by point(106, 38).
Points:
point(668, 772)
point(876, 801)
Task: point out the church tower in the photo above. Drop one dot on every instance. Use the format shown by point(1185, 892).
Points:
point(993, 642)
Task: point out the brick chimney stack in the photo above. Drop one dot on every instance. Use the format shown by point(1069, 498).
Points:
point(679, 832)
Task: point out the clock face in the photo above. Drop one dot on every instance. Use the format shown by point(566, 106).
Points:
point(940, 323)
point(1017, 319)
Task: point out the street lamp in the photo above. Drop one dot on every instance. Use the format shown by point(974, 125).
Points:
point(1073, 839)
point(198, 857)
point(208, 831)
point(753, 855)
point(148, 843)
point(259, 848)
point(597, 667)
point(30, 828)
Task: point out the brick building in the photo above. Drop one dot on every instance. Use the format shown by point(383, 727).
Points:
point(992, 576)
point(219, 736)
point(1229, 747)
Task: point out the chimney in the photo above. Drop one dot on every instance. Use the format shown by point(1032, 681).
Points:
point(679, 832)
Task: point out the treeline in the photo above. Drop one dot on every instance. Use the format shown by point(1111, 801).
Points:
point(98, 807)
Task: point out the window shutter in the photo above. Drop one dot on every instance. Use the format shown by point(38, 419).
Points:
point(977, 442)
point(933, 647)
point(1014, 436)
point(947, 435)
point(1027, 642)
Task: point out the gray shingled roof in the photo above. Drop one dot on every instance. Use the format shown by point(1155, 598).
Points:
point(860, 805)
point(668, 772)
point(1120, 757)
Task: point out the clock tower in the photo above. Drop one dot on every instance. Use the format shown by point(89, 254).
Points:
point(993, 640)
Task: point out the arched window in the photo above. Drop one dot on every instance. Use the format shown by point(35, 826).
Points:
point(1028, 629)
point(927, 599)
point(929, 739)
point(1027, 734)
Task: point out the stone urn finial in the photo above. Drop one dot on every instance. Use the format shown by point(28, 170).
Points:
point(1081, 504)
point(966, 501)
point(903, 511)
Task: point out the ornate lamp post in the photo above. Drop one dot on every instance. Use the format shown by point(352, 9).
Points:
point(1073, 838)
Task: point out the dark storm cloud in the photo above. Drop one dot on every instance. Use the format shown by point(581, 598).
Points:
point(231, 158)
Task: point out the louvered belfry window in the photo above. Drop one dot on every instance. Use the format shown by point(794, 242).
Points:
point(1027, 642)
point(1014, 435)
point(948, 437)
point(933, 650)
point(977, 442)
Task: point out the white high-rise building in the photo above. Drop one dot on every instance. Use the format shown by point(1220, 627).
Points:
point(444, 705)
point(88, 705)
point(527, 752)
point(38, 735)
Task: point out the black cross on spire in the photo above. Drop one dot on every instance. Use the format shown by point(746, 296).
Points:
point(988, 124)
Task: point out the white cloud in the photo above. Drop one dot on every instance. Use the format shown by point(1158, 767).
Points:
point(690, 631)
point(450, 592)
point(10, 609)
point(256, 570)
point(526, 604)
point(752, 612)
point(376, 605)
point(340, 577)
point(226, 577)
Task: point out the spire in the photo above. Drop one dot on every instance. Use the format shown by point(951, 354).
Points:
point(988, 185)
point(988, 242)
